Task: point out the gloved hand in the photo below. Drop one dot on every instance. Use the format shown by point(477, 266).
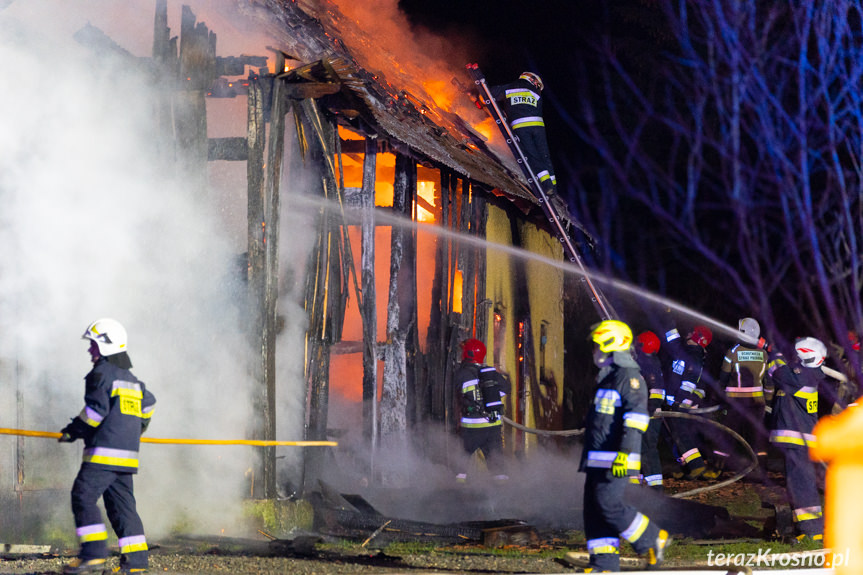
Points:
point(618, 467)
point(65, 438)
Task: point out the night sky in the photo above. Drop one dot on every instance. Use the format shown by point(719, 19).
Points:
point(555, 38)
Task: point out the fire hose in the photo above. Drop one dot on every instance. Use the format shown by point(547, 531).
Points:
point(669, 414)
point(256, 442)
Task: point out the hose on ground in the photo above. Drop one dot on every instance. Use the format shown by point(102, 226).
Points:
point(255, 442)
point(694, 415)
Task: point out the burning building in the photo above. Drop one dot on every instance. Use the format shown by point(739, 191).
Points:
point(421, 233)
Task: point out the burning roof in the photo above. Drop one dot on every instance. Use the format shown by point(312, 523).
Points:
point(379, 93)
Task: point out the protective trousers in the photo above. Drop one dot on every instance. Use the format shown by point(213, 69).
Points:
point(683, 438)
point(116, 490)
point(489, 440)
point(803, 491)
point(651, 465)
point(607, 518)
point(746, 417)
point(533, 143)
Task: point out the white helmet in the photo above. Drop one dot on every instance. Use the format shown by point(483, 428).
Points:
point(533, 78)
point(750, 327)
point(108, 334)
point(812, 352)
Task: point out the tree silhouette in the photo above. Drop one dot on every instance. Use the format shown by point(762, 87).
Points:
point(728, 162)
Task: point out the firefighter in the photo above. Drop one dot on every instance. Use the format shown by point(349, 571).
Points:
point(683, 371)
point(612, 441)
point(481, 390)
point(651, 371)
point(794, 415)
point(523, 109)
point(742, 379)
point(117, 410)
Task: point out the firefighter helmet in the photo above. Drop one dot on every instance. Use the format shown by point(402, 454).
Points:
point(701, 335)
point(649, 342)
point(750, 327)
point(108, 334)
point(611, 335)
point(533, 79)
point(812, 352)
point(473, 350)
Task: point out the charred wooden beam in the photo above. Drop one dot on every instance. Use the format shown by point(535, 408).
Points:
point(196, 71)
point(301, 91)
point(269, 324)
point(368, 308)
point(399, 317)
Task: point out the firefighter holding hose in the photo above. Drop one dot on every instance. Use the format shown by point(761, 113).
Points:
point(117, 410)
point(480, 389)
point(616, 420)
point(795, 413)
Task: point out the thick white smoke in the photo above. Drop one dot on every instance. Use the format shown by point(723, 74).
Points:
point(91, 225)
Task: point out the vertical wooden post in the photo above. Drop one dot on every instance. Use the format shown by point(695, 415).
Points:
point(394, 392)
point(197, 71)
point(165, 58)
point(272, 203)
point(483, 305)
point(369, 303)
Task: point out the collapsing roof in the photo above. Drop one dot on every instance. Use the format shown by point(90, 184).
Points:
point(385, 103)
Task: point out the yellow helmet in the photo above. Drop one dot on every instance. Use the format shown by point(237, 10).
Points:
point(611, 335)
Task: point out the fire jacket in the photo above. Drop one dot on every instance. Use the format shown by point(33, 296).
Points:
point(683, 374)
point(742, 373)
point(617, 417)
point(482, 389)
point(651, 370)
point(117, 408)
point(523, 103)
point(795, 403)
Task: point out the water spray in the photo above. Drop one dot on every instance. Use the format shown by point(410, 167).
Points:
point(521, 253)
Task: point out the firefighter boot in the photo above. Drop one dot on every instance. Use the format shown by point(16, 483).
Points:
point(656, 554)
point(715, 470)
point(78, 565)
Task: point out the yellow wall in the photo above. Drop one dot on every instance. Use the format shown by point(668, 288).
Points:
point(545, 298)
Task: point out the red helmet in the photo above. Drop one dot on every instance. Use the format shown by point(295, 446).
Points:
point(701, 335)
point(854, 340)
point(649, 342)
point(473, 350)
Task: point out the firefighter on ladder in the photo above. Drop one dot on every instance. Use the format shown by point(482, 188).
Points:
point(117, 409)
point(612, 443)
point(522, 101)
point(480, 389)
point(794, 415)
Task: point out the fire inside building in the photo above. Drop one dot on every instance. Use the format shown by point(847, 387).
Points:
point(388, 298)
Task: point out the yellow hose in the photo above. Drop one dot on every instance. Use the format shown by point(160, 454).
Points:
point(263, 443)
